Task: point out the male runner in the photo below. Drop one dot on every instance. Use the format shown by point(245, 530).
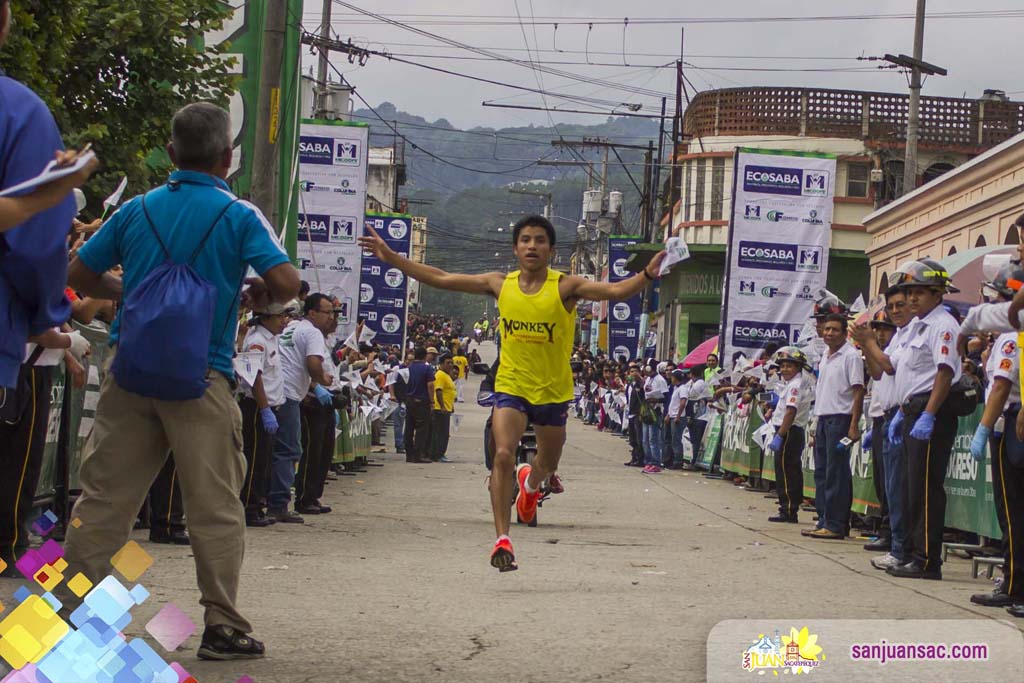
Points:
point(534, 380)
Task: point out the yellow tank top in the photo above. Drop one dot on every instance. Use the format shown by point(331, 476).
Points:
point(536, 342)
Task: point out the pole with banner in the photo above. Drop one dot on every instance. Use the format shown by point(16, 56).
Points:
point(332, 205)
point(383, 290)
point(624, 316)
point(777, 256)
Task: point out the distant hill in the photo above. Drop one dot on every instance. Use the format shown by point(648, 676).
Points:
point(467, 201)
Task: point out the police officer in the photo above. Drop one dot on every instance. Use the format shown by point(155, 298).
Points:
point(998, 430)
point(890, 456)
point(790, 421)
point(884, 330)
point(926, 367)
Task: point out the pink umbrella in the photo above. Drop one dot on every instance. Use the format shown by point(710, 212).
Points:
point(699, 356)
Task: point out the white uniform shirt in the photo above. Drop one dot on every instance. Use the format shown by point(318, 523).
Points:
point(988, 318)
point(883, 390)
point(838, 374)
point(698, 390)
point(655, 387)
point(1004, 363)
point(299, 341)
point(680, 392)
point(259, 339)
point(797, 394)
point(928, 343)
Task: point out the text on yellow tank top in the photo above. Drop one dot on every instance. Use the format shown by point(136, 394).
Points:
point(536, 342)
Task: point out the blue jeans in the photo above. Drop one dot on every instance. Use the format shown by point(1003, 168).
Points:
point(287, 452)
point(668, 449)
point(833, 482)
point(893, 459)
point(398, 426)
point(677, 428)
point(653, 443)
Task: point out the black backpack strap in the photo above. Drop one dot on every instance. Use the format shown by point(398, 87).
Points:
point(209, 232)
point(163, 247)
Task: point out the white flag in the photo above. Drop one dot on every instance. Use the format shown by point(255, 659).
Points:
point(677, 251)
point(115, 198)
point(247, 365)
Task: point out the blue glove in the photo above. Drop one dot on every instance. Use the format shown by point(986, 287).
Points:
point(269, 420)
point(923, 428)
point(776, 445)
point(865, 442)
point(896, 429)
point(322, 395)
point(981, 435)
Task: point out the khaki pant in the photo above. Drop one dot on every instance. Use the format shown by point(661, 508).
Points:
point(128, 446)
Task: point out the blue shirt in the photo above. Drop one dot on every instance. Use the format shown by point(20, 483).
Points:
point(34, 255)
point(182, 213)
point(420, 374)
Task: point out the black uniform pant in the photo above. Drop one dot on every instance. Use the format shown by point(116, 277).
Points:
point(317, 453)
point(439, 433)
point(166, 512)
point(789, 473)
point(696, 428)
point(1008, 487)
point(21, 460)
point(926, 463)
point(878, 437)
point(258, 447)
point(417, 428)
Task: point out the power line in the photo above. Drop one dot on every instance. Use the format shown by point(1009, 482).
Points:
point(507, 20)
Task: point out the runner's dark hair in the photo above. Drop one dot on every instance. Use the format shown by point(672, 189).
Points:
point(536, 222)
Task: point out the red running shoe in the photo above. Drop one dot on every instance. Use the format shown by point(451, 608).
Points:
point(555, 484)
point(503, 558)
point(526, 503)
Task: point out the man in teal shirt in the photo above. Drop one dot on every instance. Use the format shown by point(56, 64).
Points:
point(132, 434)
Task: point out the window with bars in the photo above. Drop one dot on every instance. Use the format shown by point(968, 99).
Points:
point(717, 188)
point(857, 178)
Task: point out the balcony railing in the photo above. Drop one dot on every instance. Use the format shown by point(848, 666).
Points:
point(946, 122)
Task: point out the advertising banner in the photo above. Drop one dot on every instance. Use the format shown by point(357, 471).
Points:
point(623, 316)
point(383, 290)
point(779, 235)
point(332, 202)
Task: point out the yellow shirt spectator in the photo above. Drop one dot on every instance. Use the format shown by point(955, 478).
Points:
point(444, 383)
point(461, 362)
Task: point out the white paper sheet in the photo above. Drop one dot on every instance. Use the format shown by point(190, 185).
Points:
point(50, 173)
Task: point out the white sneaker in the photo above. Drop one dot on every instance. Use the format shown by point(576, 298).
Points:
point(885, 561)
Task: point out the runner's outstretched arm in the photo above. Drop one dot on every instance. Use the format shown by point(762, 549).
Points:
point(576, 287)
point(484, 283)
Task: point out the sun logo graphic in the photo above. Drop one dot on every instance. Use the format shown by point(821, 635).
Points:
point(796, 653)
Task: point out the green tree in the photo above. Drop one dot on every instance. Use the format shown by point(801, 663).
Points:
point(114, 72)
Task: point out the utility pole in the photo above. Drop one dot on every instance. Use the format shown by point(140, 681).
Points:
point(548, 210)
point(914, 118)
point(917, 67)
point(320, 110)
point(266, 152)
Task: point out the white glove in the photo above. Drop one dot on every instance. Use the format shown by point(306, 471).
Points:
point(80, 346)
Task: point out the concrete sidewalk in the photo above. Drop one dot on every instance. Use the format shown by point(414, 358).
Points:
point(621, 581)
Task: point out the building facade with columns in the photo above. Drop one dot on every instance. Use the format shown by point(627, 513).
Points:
point(866, 133)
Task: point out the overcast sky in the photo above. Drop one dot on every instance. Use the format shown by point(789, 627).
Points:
point(978, 52)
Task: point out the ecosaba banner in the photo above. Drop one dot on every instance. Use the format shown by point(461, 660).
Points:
point(779, 235)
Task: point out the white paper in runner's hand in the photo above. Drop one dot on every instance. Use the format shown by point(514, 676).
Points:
point(50, 174)
point(677, 251)
point(248, 365)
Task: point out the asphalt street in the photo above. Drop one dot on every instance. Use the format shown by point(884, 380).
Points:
point(622, 580)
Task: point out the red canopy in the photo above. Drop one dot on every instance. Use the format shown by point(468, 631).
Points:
point(699, 356)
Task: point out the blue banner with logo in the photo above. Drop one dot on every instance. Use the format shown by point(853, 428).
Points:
point(383, 290)
point(623, 316)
